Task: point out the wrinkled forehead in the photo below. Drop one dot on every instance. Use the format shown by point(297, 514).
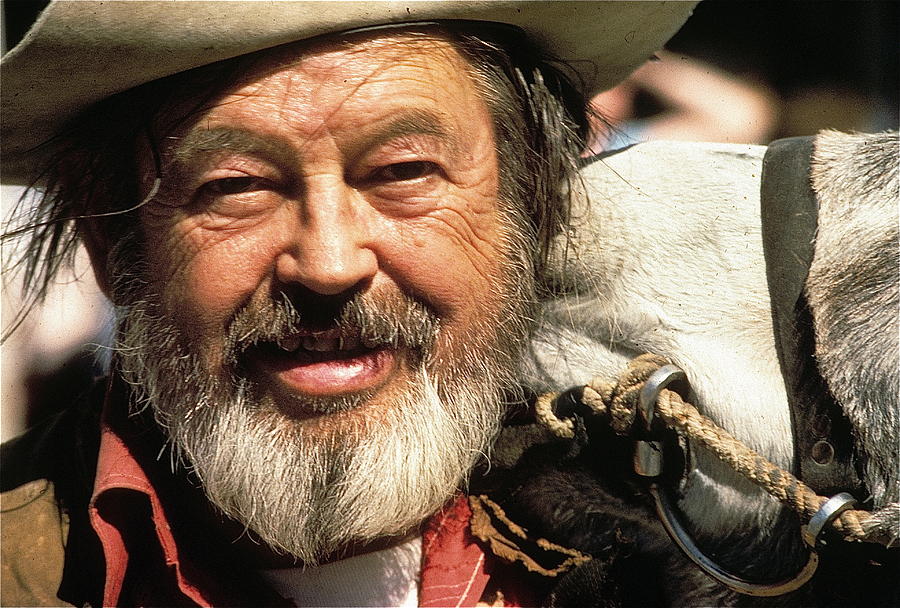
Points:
point(364, 53)
point(367, 66)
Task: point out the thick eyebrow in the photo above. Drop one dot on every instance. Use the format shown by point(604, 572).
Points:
point(201, 143)
point(277, 150)
point(417, 122)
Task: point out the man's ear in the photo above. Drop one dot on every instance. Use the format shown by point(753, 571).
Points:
point(97, 243)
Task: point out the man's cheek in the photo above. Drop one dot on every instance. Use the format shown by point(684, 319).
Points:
point(466, 241)
point(449, 273)
point(202, 284)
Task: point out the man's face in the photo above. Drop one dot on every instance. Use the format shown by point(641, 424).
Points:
point(332, 297)
point(359, 170)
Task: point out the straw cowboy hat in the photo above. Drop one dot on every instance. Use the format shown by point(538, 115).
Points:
point(78, 53)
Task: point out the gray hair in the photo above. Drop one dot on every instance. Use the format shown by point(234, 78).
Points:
point(91, 170)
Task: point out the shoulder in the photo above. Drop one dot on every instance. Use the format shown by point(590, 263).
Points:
point(32, 551)
point(46, 477)
point(61, 449)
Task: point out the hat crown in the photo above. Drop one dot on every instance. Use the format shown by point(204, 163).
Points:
point(78, 53)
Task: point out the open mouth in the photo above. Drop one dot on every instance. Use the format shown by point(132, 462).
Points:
point(320, 346)
point(324, 363)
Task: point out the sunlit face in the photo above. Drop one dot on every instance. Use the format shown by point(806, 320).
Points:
point(354, 169)
point(326, 301)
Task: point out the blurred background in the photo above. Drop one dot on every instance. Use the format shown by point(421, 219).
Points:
point(754, 71)
point(739, 71)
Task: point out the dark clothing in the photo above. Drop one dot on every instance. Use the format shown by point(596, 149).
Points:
point(90, 517)
point(48, 552)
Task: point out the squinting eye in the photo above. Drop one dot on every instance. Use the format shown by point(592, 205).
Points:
point(232, 185)
point(401, 172)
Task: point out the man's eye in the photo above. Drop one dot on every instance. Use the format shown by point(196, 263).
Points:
point(401, 172)
point(232, 185)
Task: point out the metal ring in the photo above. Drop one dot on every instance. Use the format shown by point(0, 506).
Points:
point(657, 381)
point(826, 514)
point(667, 513)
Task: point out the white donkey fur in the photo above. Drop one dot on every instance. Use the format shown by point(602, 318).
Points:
point(666, 257)
point(853, 294)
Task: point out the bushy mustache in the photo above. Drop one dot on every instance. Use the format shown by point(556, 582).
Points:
point(393, 320)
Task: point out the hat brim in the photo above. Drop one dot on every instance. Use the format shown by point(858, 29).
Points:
point(78, 53)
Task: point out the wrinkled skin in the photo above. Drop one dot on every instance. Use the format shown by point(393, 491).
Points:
point(368, 168)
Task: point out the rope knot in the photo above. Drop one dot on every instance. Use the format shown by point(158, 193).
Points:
point(618, 402)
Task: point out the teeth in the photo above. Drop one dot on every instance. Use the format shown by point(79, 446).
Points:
point(289, 344)
point(369, 343)
point(322, 343)
point(319, 344)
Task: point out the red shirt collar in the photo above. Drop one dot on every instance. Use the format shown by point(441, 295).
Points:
point(118, 469)
point(455, 569)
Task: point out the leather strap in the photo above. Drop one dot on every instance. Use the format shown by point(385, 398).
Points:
point(822, 435)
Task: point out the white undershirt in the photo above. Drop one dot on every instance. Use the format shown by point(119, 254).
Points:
point(389, 577)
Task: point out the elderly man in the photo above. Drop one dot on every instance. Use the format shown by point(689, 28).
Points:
point(322, 225)
point(347, 244)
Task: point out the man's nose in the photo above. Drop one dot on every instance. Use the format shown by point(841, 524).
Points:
point(330, 251)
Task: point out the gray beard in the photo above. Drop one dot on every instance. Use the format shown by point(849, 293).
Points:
point(310, 489)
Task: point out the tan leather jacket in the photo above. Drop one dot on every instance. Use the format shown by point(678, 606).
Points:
point(34, 531)
point(46, 549)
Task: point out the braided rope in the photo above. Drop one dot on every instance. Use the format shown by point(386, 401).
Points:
point(618, 402)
